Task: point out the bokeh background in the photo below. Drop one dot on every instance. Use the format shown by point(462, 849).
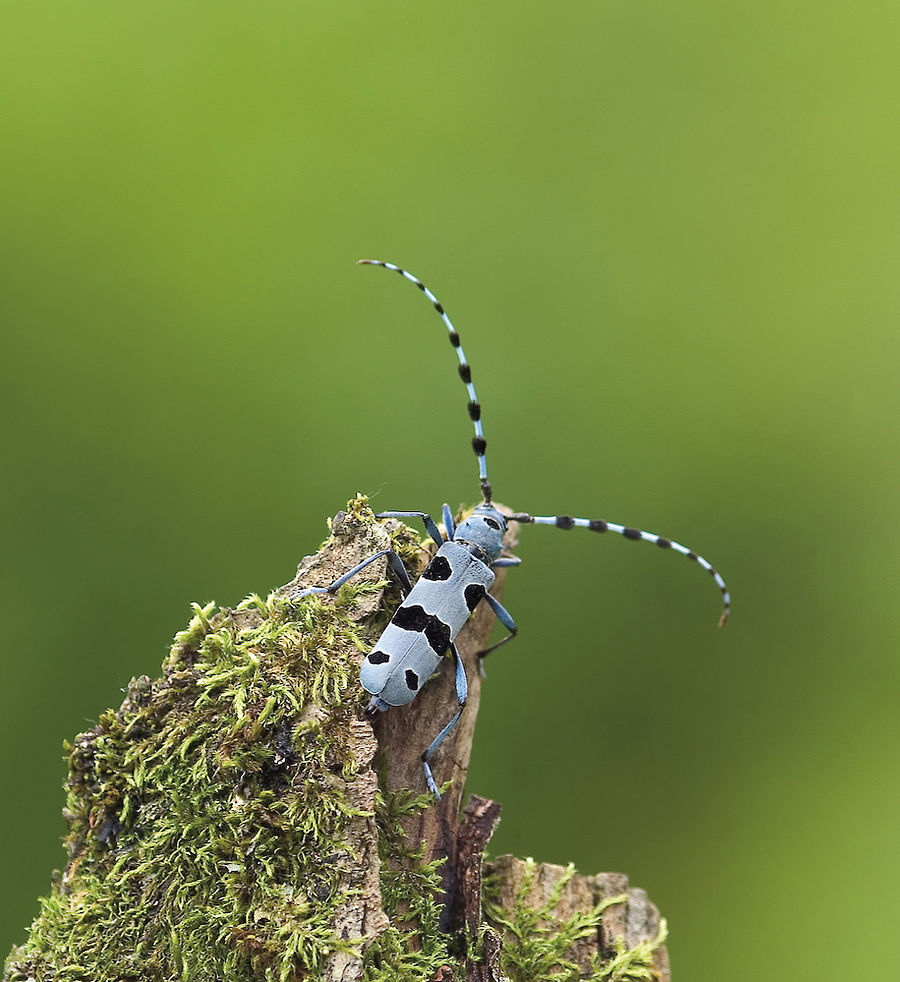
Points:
point(668, 235)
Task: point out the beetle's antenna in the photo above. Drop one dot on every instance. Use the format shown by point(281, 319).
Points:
point(599, 525)
point(479, 444)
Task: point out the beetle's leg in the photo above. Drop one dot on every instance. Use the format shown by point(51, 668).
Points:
point(506, 561)
point(427, 520)
point(448, 521)
point(505, 619)
point(375, 707)
point(462, 692)
point(394, 561)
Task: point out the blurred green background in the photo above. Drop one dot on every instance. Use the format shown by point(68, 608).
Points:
point(668, 235)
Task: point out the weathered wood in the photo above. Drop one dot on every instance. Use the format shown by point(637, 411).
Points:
point(628, 924)
point(480, 820)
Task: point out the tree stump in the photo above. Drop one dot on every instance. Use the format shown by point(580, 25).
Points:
point(239, 819)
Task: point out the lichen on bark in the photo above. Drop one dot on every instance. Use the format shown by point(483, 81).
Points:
point(238, 819)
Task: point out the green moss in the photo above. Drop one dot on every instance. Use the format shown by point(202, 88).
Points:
point(413, 947)
point(538, 943)
point(204, 815)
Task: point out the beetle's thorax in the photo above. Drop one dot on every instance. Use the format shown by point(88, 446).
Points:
point(482, 533)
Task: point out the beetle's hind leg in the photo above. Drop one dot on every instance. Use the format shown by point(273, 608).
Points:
point(462, 693)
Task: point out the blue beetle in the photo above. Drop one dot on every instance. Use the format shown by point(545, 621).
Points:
point(433, 611)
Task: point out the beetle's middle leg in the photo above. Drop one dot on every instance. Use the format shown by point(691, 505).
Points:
point(505, 618)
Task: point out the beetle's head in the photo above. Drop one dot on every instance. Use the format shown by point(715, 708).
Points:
point(483, 528)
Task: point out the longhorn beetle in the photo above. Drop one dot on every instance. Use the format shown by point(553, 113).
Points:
point(458, 578)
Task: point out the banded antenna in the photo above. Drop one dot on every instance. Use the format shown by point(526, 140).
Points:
point(479, 444)
point(634, 535)
point(559, 521)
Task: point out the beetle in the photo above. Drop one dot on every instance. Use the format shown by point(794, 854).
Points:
point(459, 577)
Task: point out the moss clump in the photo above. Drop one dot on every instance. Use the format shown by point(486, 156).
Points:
point(210, 817)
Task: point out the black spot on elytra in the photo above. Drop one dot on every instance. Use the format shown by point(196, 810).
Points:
point(473, 594)
point(438, 634)
point(412, 680)
point(377, 657)
point(437, 569)
point(414, 618)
